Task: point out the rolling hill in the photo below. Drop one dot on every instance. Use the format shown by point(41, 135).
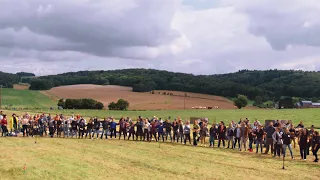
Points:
point(268, 85)
point(138, 100)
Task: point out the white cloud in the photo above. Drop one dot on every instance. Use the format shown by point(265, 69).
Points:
point(202, 37)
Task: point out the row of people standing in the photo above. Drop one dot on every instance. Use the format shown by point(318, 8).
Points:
point(238, 135)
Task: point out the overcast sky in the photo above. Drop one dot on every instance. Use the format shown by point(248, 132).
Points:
point(193, 36)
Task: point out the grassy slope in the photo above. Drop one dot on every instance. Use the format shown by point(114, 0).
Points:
point(309, 116)
point(26, 99)
point(101, 159)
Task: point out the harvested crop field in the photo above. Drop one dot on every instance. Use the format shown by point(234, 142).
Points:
point(21, 86)
point(141, 101)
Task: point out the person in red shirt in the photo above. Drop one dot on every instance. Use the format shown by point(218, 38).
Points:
point(4, 124)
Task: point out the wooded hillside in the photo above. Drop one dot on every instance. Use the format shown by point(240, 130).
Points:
point(267, 85)
point(7, 79)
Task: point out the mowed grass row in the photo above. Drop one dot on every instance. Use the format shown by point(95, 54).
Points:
point(26, 99)
point(308, 116)
point(117, 159)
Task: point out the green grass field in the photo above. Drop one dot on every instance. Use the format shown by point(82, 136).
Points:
point(25, 99)
point(60, 158)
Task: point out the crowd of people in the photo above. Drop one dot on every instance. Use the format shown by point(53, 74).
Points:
point(275, 137)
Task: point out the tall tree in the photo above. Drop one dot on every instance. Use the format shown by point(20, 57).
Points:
point(241, 101)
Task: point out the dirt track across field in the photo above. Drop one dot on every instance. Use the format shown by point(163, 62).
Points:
point(141, 101)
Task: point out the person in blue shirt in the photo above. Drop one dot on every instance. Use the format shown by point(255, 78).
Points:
point(113, 127)
point(160, 131)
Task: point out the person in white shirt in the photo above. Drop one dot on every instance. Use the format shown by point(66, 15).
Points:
point(66, 126)
point(146, 130)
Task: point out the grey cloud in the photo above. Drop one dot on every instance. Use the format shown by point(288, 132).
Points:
point(285, 22)
point(97, 27)
point(26, 39)
point(55, 36)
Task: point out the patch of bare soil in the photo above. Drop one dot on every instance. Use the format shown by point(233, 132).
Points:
point(141, 101)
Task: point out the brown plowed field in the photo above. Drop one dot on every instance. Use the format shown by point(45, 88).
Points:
point(141, 101)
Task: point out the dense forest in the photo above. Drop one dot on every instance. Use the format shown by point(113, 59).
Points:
point(264, 85)
point(7, 80)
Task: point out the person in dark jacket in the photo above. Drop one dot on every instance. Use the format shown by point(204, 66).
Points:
point(59, 127)
point(230, 134)
point(259, 134)
point(41, 125)
point(96, 125)
point(180, 134)
point(251, 136)
point(315, 145)
point(15, 123)
point(51, 125)
point(168, 128)
point(175, 128)
point(139, 125)
point(277, 124)
point(89, 129)
point(213, 134)
point(269, 141)
point(160, 128)
point(286, 136)
point(74, 128)
point(310, 135)
point(221, 133)
point(303, 144)
point(105, 127)
point(300, 125)
point(31, 127)
point(82, 126)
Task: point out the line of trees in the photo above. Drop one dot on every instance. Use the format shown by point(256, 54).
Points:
point(80, 104)
point(267, 85)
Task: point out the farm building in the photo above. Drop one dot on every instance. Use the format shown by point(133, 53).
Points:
point(316, 105)
point(307, 104)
